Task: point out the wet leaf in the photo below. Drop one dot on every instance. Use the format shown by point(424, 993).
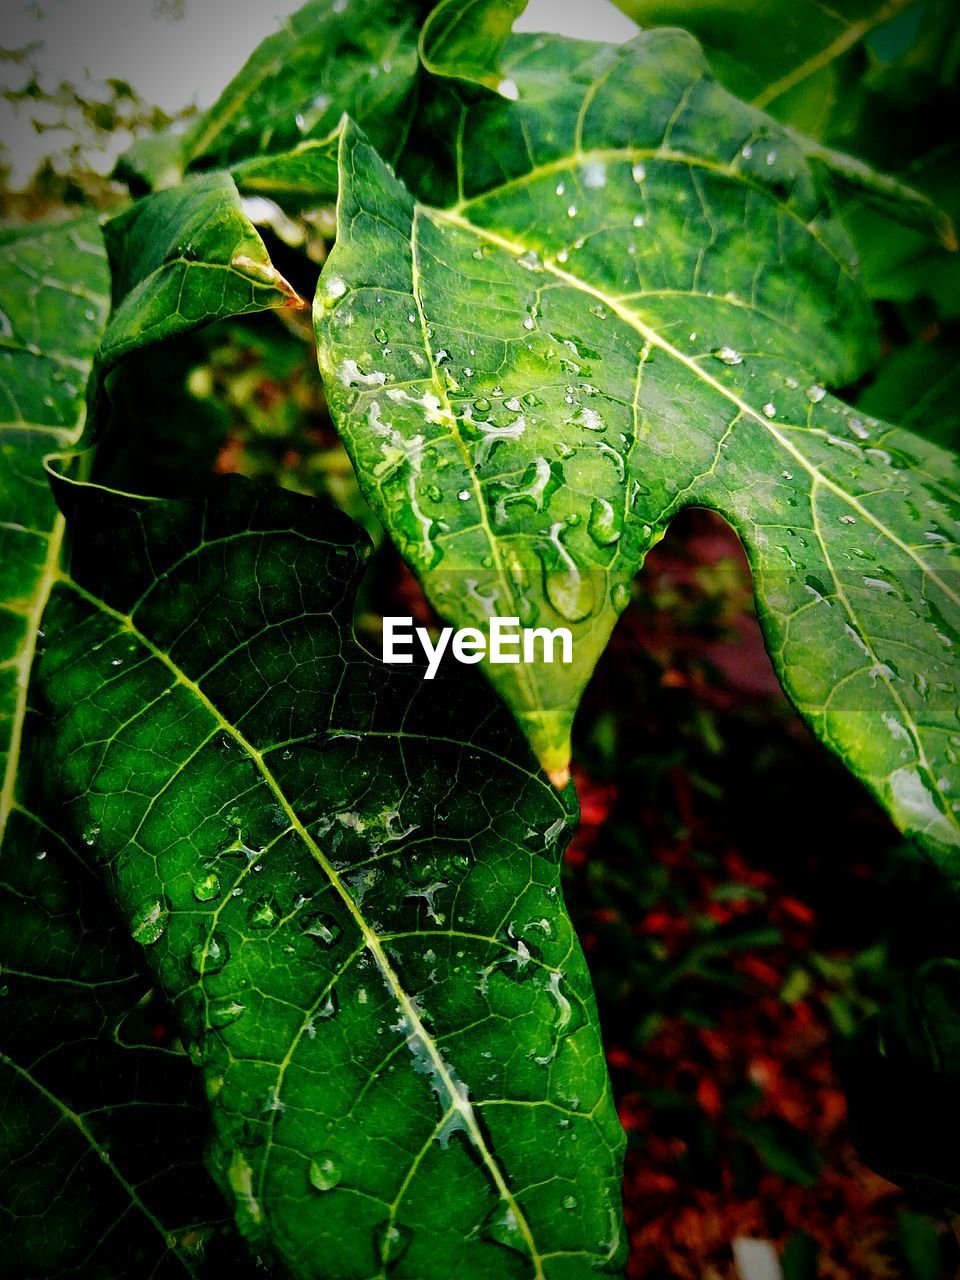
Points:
point(346, 880)
point(636, 304)
point(820, 69)
point(803, 74)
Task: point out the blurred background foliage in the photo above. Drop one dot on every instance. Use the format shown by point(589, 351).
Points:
point(744, 906)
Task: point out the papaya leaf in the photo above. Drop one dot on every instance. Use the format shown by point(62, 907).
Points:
point(795, 60)
point(183, 258)
point(635, 306)
point(101, 1127)
point(807, 64)
point(356, 56)
point(346, 880)
point(464, 40)
point(53, 281)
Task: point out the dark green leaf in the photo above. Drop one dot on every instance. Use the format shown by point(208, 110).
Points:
point(101, 1126)
point(869, 77)
point(54, 298)
point(464, 40)
point(919, 386)
point(346, 879)
point(635, 306)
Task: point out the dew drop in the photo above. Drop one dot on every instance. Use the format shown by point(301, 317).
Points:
point(620, 596)
point(262, 914)
point(207, 889)
point(210, 954)
point(225, 1013)
point(150, 921)
point(333, 288)
point(393, 1241)
point(323, 929)
point(604, 523)
point(501, 1226)
point(324, 1174)
point(815, 393)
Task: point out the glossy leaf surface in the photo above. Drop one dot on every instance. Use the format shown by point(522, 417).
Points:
point(346, 879)
point(636, 304)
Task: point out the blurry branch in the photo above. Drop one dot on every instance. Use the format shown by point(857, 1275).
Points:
point(86, 125)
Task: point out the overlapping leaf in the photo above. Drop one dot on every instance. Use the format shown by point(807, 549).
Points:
point(632, 301)
point(183, 258)
point(465, 39)
point(102, 1130)
point(54, 298)
point(830, 72)
point(346, 878)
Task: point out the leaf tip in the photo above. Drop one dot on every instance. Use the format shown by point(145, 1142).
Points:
point(559, 777)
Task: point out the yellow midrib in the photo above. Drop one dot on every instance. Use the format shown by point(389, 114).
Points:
point(524, 678)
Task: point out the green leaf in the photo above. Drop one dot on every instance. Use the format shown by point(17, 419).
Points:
point(805, 64)
point(796, 60)
point(534, 380)
point(184, 258)
point(464, 40)
point(346, 879)
point(54, 298)
point(301, 178)
point(101, 1127)
point(918, 386)
point(356, 56)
